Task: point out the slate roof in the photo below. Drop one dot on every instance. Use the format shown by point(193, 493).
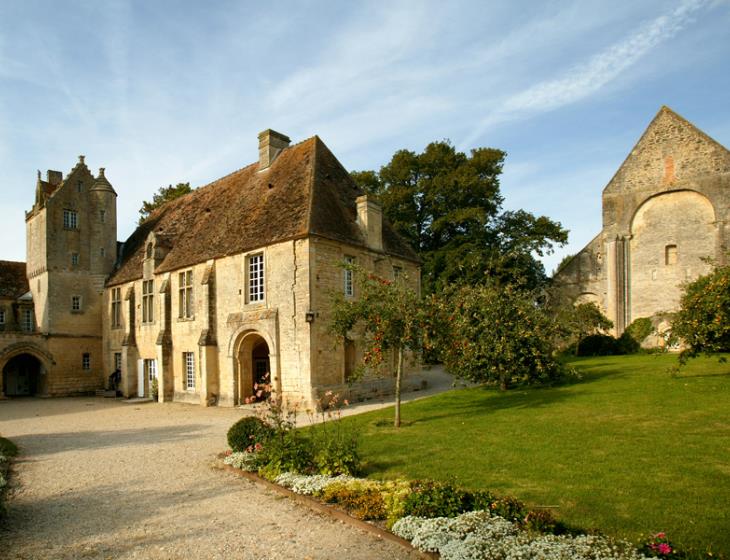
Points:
point(13, 282)
point(304, 192)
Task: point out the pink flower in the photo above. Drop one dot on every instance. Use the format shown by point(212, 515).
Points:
point(664, 548)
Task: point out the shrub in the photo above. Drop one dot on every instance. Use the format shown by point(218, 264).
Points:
point(361, 498)
point(286, 452)
point(597, 345)
point(639, 329)
point(335, 443)
point(429, 498)
point(703, 321)
point(247, 432)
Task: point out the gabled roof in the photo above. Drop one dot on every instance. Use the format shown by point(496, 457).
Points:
point(668, 128)
point(13, 282)
point(305, 191)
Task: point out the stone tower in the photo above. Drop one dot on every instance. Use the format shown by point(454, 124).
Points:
point(71, 250)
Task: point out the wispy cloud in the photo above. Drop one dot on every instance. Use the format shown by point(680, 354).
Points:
point(588, 78)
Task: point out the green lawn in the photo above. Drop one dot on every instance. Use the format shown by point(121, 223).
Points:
point(630, 450)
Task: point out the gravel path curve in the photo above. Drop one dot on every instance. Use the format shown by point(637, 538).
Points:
point(98, 478)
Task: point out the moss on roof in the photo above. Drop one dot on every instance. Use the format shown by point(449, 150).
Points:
point(305, 191)
point(13, 281)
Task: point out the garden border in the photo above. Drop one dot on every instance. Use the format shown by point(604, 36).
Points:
point(334, 513)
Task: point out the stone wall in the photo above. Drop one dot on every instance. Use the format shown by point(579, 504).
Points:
point(665, 211)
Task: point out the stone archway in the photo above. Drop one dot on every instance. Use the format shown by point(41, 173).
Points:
point(24, 370)
point(671, 234)
point(255, 365)
point(22, 376)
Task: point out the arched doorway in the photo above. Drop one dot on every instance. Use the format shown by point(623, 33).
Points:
point(22, 376)
point(254, 367)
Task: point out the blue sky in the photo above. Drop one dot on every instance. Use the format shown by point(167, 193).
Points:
point(162, 92)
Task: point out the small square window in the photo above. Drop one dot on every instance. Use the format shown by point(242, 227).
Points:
point(86, 361)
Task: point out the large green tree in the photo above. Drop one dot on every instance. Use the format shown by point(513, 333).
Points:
point(448, 206)
point(162, 196)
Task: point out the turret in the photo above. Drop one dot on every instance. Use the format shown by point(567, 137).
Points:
point(102, 225)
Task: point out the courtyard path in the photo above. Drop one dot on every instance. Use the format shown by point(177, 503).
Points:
point(98, 478)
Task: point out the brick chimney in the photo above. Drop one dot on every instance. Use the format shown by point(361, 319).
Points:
point(370, 220)
point(271, 144)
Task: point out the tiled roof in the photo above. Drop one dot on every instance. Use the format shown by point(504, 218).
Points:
point(305, 191)
point(13, 282)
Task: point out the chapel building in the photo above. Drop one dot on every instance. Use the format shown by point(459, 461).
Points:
point(214, 293)
point(666, 221)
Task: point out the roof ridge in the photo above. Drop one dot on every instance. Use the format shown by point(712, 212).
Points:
point(672, 113)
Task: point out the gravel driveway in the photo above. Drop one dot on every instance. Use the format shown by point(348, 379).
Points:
point(99, 478)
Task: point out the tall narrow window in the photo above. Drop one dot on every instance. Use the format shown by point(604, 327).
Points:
point(397, 272)
point(2, 316)
point(86, 361)
point(670, 254)
point(74, 259)
point(28, 324)
point(102, 216)
point(102, 252)
point(185, 303)
point(70, 219)
point(116, 308)
point(150, 367)
point(75, 303)
point(118, 361)
point(347, 277)
point(256, 278)
point(80, 186)
point(148, 313)
point(189, 361)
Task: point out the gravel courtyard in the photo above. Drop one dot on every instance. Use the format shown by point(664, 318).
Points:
point(98, 478)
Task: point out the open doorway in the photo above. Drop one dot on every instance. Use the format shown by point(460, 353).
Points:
point(254, 368)
point(21, 376)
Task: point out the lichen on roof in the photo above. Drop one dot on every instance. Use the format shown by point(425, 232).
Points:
point(13, 280)
point(306, 191)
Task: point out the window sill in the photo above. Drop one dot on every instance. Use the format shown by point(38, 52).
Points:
point(185, 319)
point(77, 312)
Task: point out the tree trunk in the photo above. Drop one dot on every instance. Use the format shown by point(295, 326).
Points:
point(398, 377)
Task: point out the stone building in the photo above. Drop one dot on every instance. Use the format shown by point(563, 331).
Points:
point(666, 211)
point(214, 291)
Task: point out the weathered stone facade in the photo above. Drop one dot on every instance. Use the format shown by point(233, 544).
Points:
point(666, 211)
point(212, 292)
